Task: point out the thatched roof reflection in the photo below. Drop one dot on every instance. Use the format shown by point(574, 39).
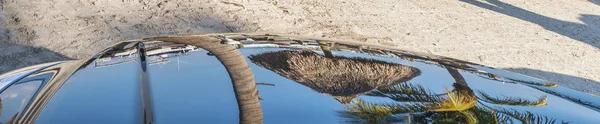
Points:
point(341, 77)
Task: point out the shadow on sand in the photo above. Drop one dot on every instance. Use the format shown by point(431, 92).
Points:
point(14, 56)
point(18, 38)
point(17, 56)
point(581, 84)
point(589, 32)
point(597, 2)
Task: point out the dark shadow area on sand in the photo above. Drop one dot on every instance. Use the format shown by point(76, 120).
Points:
point(18, 47)
point(573, 82)
point(597, 2)
point(14, 56)
point(589, 32)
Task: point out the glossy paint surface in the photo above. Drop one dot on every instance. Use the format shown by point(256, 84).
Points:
point(300, 80)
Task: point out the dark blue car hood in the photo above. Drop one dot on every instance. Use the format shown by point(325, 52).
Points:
point(299, 80)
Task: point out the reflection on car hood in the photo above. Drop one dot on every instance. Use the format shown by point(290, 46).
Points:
point(299, 80)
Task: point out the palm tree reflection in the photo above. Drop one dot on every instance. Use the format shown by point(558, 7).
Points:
point(340, 77)
point(417, 104)
point(345, 78)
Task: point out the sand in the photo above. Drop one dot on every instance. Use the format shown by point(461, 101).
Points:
point(555, 40)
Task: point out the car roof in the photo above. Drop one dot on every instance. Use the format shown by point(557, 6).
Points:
point(299, 80)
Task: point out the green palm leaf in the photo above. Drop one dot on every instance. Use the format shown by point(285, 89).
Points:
point(512, 100)
point(406, 92)
point(489, 115)
point(377, 112)
point(528, 117)
point(455, 101)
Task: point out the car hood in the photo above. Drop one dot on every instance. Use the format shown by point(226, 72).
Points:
point(299, 80)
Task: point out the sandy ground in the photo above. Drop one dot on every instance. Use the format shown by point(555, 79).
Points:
point(558, 40)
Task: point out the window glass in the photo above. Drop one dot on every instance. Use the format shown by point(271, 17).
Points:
point(16, 97)
point(4, 81)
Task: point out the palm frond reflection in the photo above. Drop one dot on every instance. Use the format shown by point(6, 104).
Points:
point(454, 107)
point(512, 100)
point(416, 103)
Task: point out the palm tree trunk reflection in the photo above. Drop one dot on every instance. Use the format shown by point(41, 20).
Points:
point(250, 111)
point(326, 49)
